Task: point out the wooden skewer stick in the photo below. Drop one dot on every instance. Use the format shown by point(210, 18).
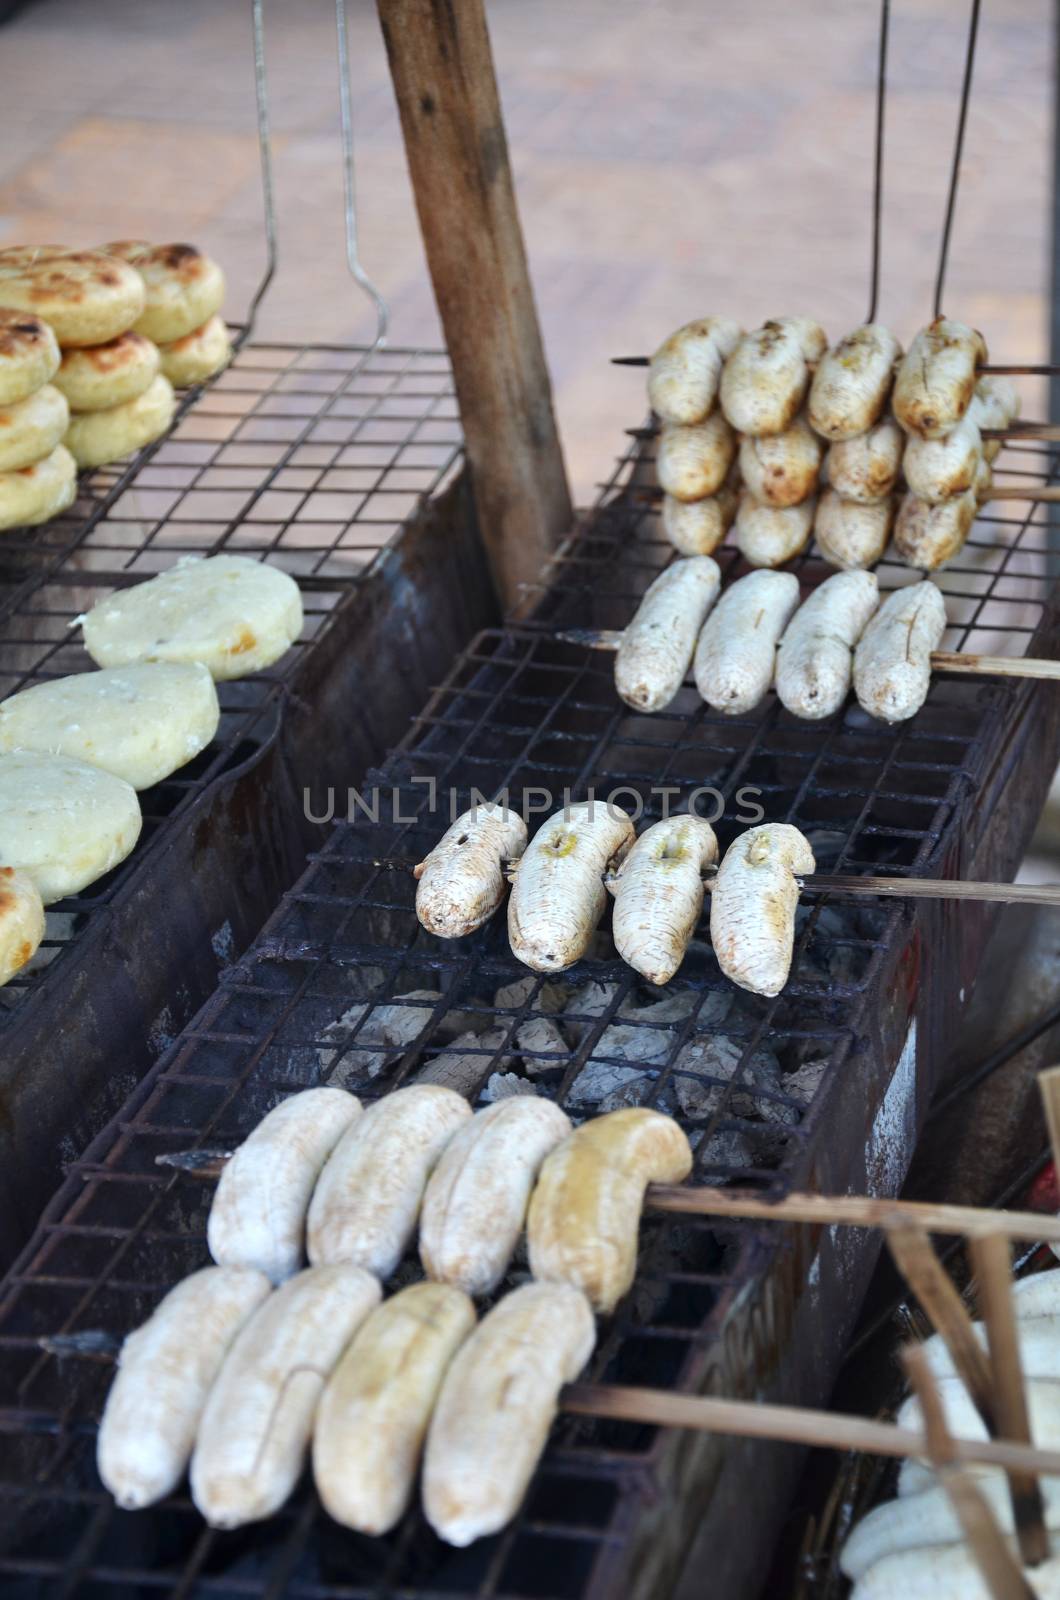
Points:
point(916, 1260)
point(1049, 1087)
point(748, 1419)
point(989, 1255)
point(1030, 894)
point(1018, 369)
point(961, 661)
point(1049, 492)
point(852, 1211)
point(1000, 1573)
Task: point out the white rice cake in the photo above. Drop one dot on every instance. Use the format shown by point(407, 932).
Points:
point(21, 922)
point(63, 822)
point(141, 722)
point(233, 614)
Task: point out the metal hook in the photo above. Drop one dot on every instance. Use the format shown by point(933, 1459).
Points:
point(357, 272)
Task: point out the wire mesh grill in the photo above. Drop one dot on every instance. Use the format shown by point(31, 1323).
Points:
point(752, 1079)
point(308, 458)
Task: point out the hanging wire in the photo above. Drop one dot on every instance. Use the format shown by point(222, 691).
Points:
point(261, 90)
point(955, 172)
point(382, 312)
point(877, 187)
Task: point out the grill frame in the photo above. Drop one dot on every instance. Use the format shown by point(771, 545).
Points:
point(759, 1327)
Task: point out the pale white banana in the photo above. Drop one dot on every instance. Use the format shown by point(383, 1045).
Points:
point(558, 894)
point(658, 894)
point(461, 882)
point(753, 904)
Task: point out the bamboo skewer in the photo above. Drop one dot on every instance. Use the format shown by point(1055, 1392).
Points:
point(852, 1211)
point(958, 661)
point(922, 1270)
point(990, 1259)
point(1000, 1573)
point(1017, 369)
point(750, 1419)
point(1049, 1088)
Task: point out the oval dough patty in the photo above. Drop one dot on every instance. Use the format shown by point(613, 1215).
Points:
point(231, 613)
point(183, 287)
point(33, 494)
point(140, 722)
point(88, 297)
point(63, 822)
point(30, 429)
point(21, 922)
point(29, 355)
point(198, 355)
point(96, 437)
point(108, 374)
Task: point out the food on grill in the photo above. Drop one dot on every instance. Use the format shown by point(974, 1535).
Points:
point(198, 356)
point(107, 375)
point(753, 904)
point(937, 377)
point(1039, 1341)
point(850, 534)
point(656, 648)
point(461, 881)
point(86, 296)
point(994, 404)
point(867, 467)
point(926, 1521)
point(767, 536)
point(234, 614)
point(697, 527)
point(892, 662)
point(685, 371)
point(950, 1573)
point(939, 469)
point(141, 722)
point(367, 1199)
point(852, 382)
point(815, 659)
point(95, 438)
point(1037, 1296)
point(63, 822)
point(258, 1216)
point(781, 469)
point(21, 922)
point(30, 429)
point(558, 893)
point(766, 377)
point(165, 1372)
point(496, 1405)
point(692, 459)
point(475, 1205)
point(584, 1215)
point(29, 355)
point(658, 894)
point(373, 1415)
point(254, 1434)
point(736, 653)
point(183, 287)
point(34, 494)
point(964, 1422)
point(927, 536)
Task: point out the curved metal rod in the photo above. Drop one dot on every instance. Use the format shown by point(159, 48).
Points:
point(268, 191)
point(353, 260)
point(877, 182)
point(958, 149)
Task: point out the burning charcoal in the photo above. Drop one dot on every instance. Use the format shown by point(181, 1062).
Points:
point(718, 1056)
point(606, 1072)
point(670, 1009)
point(633, 1093)
point(587, 1003)
point(464, 1065)
point(543, 1046)
point(601, 1080)
point(803, 1083)
point(502, 1085)
point(513, 996)
point(390, 1028)
point(721, 1149)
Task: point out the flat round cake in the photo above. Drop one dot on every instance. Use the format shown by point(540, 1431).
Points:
point(63, 822)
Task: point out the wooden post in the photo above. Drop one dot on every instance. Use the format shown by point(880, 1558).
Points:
point(442, 68)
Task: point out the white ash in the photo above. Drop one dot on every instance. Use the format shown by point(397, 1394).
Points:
point(617, 1063)
point(587, 1004)
point(503, 1085)
point(721, 1149)
point(668, 1009)
point(467, 1061)
point(542, 1045)
point(514, 996)
point(803, 1083)
point(718, 1056)
point(389, 1028)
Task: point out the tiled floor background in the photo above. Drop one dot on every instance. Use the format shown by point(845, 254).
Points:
point(672, 158)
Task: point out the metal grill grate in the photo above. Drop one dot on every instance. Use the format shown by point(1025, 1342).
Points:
point(520, 710)
point(309, 458)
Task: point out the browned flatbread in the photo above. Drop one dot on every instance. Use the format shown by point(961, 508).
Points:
point(86, 296)
point(184, 287)
point(29, 356)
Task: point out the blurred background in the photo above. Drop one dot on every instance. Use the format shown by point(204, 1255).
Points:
point(672, 159)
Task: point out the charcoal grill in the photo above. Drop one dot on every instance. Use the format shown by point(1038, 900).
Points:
point(860, 1034)
point(340, 466)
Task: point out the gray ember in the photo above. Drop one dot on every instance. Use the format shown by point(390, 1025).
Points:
point(466, 1062)
point(503, 1085)
point(375, 1037)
